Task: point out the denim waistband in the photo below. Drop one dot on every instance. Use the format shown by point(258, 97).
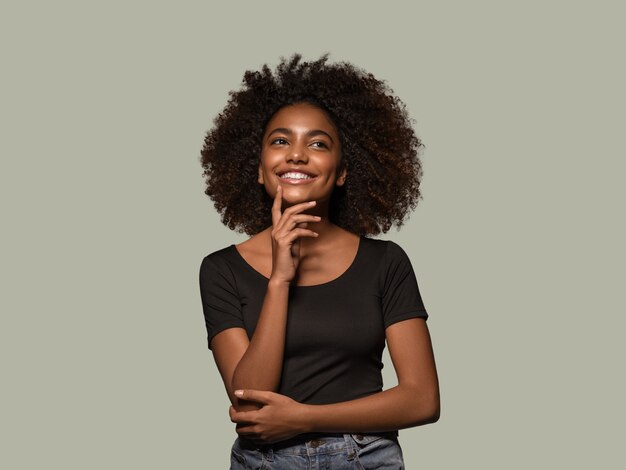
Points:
point(314, 436)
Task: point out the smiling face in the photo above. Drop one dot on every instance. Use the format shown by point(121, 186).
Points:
point(301, 152)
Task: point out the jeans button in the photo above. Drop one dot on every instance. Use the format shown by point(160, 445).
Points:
point(315, 443)
point(359, 437)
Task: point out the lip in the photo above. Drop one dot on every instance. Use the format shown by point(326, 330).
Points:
point(294, 180)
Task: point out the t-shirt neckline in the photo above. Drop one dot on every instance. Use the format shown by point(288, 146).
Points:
point(350, 268)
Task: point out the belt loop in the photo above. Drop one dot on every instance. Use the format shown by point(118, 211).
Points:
point(350, 448)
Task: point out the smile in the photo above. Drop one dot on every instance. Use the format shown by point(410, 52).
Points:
point(296, 177)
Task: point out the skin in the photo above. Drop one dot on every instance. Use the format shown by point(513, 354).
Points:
point(302, 247)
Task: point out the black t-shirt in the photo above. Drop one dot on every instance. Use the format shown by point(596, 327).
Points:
point(335, 331)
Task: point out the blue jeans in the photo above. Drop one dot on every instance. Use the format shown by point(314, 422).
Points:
point(336, 452)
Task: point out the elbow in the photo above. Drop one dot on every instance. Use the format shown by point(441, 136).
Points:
point(426, 407)
point(435, 412)
point(430, 411)
point(432, 403)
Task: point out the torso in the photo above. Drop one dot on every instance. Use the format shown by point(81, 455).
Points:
point(320, 261)
point(335, 333)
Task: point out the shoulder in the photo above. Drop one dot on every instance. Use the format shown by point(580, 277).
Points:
point(387, 251)
point(219, 255)
point(384, 260)
point(221, 261)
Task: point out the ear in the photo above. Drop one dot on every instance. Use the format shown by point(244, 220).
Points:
point(341, 179)
point(260, 179)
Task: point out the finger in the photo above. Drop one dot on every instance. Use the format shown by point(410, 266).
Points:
point(299, 221)
point(302, 218)
point(276, 207)
point(259, 396)
point(297, 208)
point(292, 211)
point(296, 233)
point(245, 430)
point(242, 417)
point(301, 225)
point(300, 207)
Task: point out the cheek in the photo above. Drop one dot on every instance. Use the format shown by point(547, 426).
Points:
point(265, 171)
point(268, 159)
point(263, 162)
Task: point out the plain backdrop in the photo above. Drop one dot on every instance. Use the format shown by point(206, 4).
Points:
point(517, 244)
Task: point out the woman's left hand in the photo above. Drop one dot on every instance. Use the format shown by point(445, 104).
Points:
point(278, 419)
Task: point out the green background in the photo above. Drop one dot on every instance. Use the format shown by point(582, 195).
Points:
point(517, 244)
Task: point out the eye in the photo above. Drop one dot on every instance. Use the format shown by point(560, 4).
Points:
point(319, 144)
point(278, 141)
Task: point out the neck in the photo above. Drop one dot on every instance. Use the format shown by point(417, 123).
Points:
point(326, 230)
point(324, 227)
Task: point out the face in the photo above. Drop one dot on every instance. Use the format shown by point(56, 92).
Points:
point(301, 152)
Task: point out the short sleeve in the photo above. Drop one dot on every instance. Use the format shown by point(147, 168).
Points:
point(220, 302)
point(401, 297)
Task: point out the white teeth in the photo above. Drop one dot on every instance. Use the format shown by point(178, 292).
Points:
point(295, 175)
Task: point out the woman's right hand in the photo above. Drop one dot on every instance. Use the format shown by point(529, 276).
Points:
point(287, 228)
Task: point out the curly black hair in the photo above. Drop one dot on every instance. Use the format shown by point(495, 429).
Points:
point(378, 145)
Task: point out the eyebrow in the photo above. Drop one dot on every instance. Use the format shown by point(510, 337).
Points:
point(311, 133)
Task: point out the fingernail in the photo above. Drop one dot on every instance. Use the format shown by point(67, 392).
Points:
point(239, 393)
point(312, 202)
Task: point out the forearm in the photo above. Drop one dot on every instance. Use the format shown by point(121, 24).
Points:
point(260, 366)
point(396, 408)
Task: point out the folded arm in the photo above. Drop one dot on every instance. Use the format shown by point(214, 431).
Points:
point(413, 402)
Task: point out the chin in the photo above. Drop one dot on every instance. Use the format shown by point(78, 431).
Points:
point(291, 200)
point(295, 193)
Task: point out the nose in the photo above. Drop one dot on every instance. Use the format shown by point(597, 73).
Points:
point(297, 153)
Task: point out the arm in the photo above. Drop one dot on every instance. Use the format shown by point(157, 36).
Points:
point(257, 363)
point(413, 402)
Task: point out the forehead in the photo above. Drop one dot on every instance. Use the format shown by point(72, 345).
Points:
point(301, 115)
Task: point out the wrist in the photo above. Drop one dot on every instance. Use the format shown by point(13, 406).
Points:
point(278, 284)
point(306, 419)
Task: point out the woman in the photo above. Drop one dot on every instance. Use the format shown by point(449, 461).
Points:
point(309, 160)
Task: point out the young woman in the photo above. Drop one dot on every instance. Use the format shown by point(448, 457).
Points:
point(309, 160)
